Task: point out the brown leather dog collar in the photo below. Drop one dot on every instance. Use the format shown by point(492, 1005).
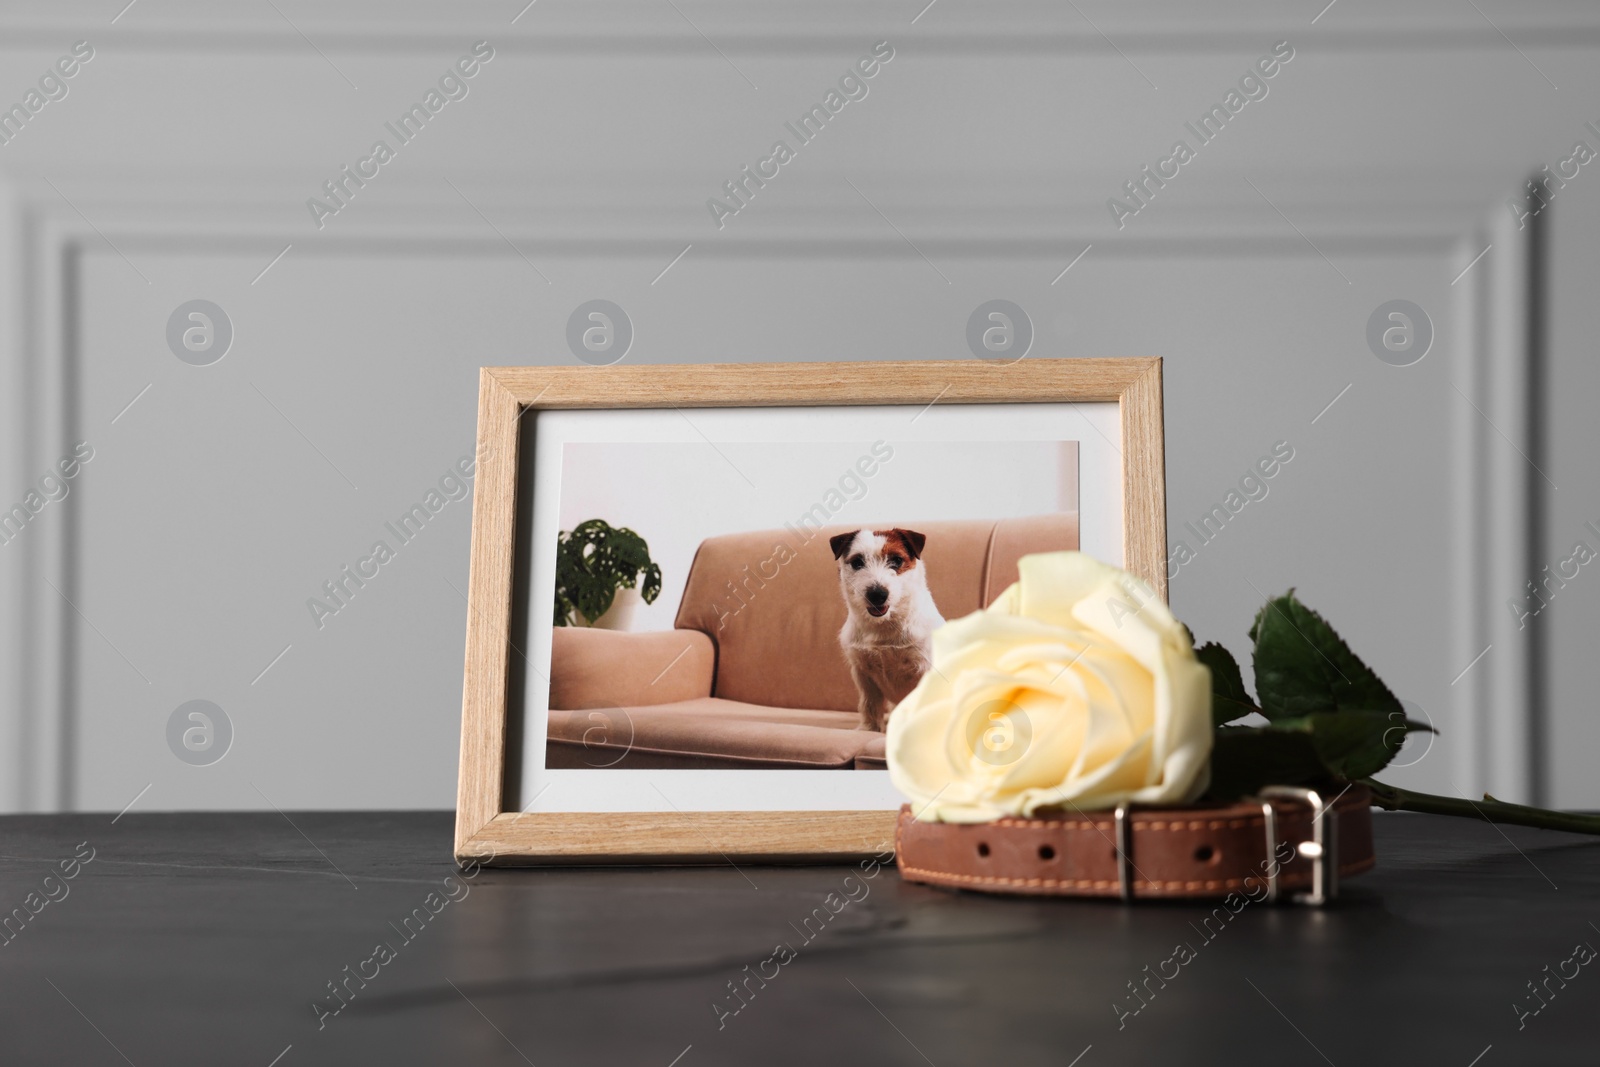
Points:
point(1262, 846)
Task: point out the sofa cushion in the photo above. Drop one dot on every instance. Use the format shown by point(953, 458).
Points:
point(1015, 538)
point(873, 755)
point(705, 733)
point(605, 668)
point(770, 599)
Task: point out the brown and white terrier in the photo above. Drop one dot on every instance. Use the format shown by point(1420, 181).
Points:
point(888, 634)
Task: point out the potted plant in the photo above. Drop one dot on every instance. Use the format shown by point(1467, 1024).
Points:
point(594, 561)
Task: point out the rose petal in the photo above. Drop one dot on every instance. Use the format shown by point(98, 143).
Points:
point(1080, 667)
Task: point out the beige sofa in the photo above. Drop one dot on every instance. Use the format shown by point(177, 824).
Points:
point(752, 676)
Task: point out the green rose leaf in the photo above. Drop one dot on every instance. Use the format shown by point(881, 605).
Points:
point(1245, 758)
point(1319, 748)
point(1331, 722)
point(1303, 667)
point(1355, 744)
point(1229, 698)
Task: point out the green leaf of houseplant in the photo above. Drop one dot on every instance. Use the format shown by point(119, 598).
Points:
point(1302, 666)
point(1229, 698)
point(595, 559)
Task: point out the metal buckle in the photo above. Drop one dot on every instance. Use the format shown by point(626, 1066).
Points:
point(1124, 848)
point(1322, 850)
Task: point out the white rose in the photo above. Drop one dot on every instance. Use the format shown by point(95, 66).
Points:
point(1077, 688)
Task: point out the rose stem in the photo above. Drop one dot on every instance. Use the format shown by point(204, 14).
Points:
point(1392, 798)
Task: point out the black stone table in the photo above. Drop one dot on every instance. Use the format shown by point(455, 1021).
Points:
point(213, 939)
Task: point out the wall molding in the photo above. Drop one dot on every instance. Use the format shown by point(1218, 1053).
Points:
point(643, 29)
point(44, 632)
point(1042, 219)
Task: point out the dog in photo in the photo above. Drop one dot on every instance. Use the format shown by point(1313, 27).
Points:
point(888, 631)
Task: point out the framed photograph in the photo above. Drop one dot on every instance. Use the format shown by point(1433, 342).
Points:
point(697, 592)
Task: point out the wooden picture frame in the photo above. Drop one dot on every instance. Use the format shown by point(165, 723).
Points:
point(485, 830)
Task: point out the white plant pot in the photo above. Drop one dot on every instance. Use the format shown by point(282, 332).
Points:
point(619, 616)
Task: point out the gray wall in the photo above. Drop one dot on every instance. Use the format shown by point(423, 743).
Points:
point(978, 166)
